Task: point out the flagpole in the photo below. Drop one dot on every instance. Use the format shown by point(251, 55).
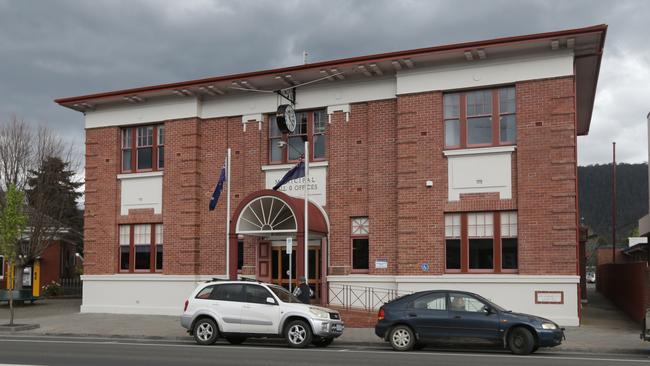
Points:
point(228, 214)
point(306, 212)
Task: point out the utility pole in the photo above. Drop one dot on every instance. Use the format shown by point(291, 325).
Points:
point(613, 202)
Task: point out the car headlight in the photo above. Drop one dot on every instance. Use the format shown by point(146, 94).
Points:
point(319, 313)
point(549, 326)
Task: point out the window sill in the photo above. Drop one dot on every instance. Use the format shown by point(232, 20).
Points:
point(140, 175)
point(480, 150)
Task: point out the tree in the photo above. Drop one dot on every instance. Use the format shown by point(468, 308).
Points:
point(12, 224)
point(52, 195)
point(23, 152)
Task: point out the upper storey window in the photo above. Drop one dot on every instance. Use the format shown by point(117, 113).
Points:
point(310, 126)
point(143, 148)
point(480, 118)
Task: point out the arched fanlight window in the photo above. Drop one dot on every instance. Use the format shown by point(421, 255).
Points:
point(266, 215)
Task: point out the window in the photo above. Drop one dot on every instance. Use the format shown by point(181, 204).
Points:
point(360, 250)
point(481, 242)
point(159, 247)
point(125, 247)
point(142, 241)
point(480, 118)
point(452, 241)
point(127, 144)
point(434, 301)
point(240, 254)
point(161, 147)
point(143, 148)
point(141, 248)
point(480, 232)
point(310, 126)
point(462, 302)
point(509, 241)
point(229, 292)
point(205, 293)
point(256, 294)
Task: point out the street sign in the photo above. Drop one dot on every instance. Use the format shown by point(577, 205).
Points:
point(289, 245)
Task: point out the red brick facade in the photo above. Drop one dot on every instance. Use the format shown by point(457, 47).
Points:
point(378, 163)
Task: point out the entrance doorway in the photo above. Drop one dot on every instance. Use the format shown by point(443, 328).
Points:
point(280, 269)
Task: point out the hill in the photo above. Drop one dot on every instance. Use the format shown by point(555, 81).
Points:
point(595, 200)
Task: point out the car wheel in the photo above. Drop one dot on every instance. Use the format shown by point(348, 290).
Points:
point(402, 338)
point(521, 341)
point(322, 341)
point(235, 339)
point(205, 331)
point(298, 334)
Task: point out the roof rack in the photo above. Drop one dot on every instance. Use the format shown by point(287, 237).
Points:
point(248, 279)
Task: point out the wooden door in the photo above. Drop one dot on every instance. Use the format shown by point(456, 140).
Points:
point(264, 262)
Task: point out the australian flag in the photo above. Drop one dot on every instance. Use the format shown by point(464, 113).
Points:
point(296, 172)
point(217, 189)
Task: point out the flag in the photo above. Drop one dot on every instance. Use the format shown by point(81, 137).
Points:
point(296, 172)
point(217, 189)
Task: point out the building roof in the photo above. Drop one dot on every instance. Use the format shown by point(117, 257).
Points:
point(587, 45)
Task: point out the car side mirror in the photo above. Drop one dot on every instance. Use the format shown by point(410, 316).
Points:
point(269, 300)
point(488, 310)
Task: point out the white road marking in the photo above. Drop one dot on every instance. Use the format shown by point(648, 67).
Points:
point(284, 350)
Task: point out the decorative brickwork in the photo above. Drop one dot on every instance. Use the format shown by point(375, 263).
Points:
point(378, 164)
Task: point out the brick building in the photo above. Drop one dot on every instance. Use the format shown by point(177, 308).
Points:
point(443, 167)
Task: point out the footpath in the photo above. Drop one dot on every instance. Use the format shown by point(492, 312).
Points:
point(604, 329)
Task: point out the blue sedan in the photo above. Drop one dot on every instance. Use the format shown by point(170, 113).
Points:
point(424, 317)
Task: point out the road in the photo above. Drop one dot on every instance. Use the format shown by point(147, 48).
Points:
point(22, 350)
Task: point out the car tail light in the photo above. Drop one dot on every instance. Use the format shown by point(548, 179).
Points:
point(380, 315)
point(187, 302)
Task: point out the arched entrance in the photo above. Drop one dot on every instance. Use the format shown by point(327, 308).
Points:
point(272, 217)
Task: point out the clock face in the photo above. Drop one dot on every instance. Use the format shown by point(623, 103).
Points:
point(286, 118)
point(290, 118)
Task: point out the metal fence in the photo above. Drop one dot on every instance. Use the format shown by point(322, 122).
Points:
point(360, 297)
point(71, 286)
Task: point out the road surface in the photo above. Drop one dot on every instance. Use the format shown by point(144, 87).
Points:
point(25, 350)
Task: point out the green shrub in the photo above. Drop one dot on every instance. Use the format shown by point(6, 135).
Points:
point(52, 289)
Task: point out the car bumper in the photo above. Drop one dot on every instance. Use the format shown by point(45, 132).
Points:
point(381, 328)
point(186, 322)
point(550, 338)
point(328, 328)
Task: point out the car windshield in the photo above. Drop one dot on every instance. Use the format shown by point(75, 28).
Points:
point(493, 305)
point(283, 294)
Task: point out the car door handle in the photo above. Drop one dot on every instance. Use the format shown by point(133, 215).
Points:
point(413, 315)
point(457, 317)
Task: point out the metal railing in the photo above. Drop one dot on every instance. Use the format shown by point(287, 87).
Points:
point(71, 286)
point(361, 297)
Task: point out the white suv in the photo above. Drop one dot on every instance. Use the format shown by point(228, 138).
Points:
point(236, 310)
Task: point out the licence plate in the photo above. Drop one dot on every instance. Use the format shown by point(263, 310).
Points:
point(338, 327)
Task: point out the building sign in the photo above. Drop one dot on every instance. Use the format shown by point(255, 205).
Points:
point(381, 263)
point(549, 297)
point(317, 181)
point(424, 267)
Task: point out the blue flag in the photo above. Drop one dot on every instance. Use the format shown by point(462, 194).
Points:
point(217, 189)
point(296, 172)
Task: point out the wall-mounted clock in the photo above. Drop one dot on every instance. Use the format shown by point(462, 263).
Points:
point(286, 118)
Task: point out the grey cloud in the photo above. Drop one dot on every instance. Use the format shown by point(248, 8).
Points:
point(52, 49)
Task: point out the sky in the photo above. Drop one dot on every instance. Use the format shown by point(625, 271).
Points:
point(59, 48)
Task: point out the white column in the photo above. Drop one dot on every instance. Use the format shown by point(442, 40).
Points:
point(307, 211)
point(228, 214)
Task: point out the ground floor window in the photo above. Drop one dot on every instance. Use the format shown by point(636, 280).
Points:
point(141, 248)
point(360, 229)
point(481, 242)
